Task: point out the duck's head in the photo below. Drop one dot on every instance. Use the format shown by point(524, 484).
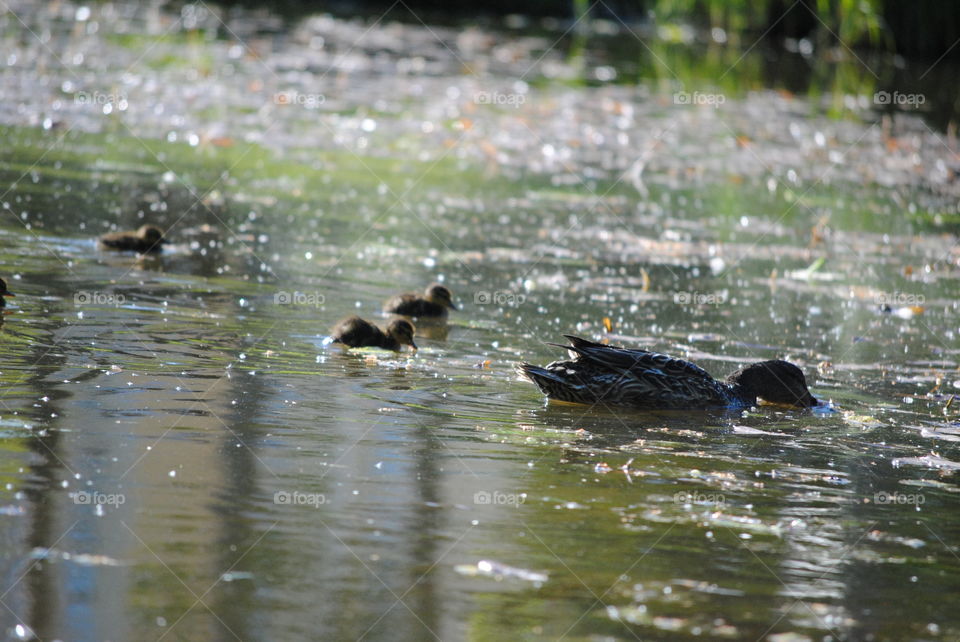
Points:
point(151, 234)
point(4, 292)
point(401, 331)
point(440, 295)
point(776, 381)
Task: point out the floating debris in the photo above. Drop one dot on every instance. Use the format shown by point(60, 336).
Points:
point(928, 461)
point(747, 430)
point(500, 572)
point(233, 576)
point(861, 421)
point(82, 559)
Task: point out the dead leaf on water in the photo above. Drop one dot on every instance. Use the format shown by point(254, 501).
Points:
point(863, 421)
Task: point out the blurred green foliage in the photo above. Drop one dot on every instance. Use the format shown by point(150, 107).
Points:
point(852, 22)
point(921, 28)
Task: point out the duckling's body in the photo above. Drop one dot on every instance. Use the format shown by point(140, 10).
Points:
point(360, 333)
point(3, 293)
point(148, 238)
point(435, 302)
point(618, 376)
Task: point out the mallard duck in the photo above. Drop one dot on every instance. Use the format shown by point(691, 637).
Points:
point(148, 238)
point(600, 373)
point(434, 302)
point(4, 292)
point(360, 333)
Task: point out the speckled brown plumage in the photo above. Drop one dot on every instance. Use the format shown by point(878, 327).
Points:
point(360, 333)
point(148, 238)
point(435, 301)
point(618, 376)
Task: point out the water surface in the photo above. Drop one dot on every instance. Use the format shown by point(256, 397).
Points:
point(186, 459)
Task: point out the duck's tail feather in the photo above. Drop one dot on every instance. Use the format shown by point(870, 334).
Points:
point(540, 376)
point(579, 342)
point(578, 346)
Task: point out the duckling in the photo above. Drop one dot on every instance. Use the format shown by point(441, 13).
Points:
point(358, 333)
point(611, 375)
point(4, 292)
point(434, 302)
point(148, 238)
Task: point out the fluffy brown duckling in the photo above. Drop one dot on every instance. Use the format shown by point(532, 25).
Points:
point(4, 292)
point(360, 333)
point(148, 238)
point(435, 301)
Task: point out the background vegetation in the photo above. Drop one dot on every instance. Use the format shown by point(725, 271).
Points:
point(924, 29)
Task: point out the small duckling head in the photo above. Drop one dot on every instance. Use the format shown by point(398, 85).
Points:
point(776, 381)
point(402, 331)
point(151, 234)
point(4, 292)
point(440, 295)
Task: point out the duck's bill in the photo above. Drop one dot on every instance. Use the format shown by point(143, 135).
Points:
point(811, 402)
point(414, 346)
point(452, 305)
point(7, 293)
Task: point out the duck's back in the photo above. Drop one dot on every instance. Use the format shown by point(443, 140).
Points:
point(128, 241)
point(619, 376)
point(358, 333)
point(120, 241)
point(412, 305)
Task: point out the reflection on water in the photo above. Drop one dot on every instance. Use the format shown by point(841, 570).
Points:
point(185, 458)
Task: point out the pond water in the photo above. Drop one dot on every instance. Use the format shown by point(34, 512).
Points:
point(184, 458)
